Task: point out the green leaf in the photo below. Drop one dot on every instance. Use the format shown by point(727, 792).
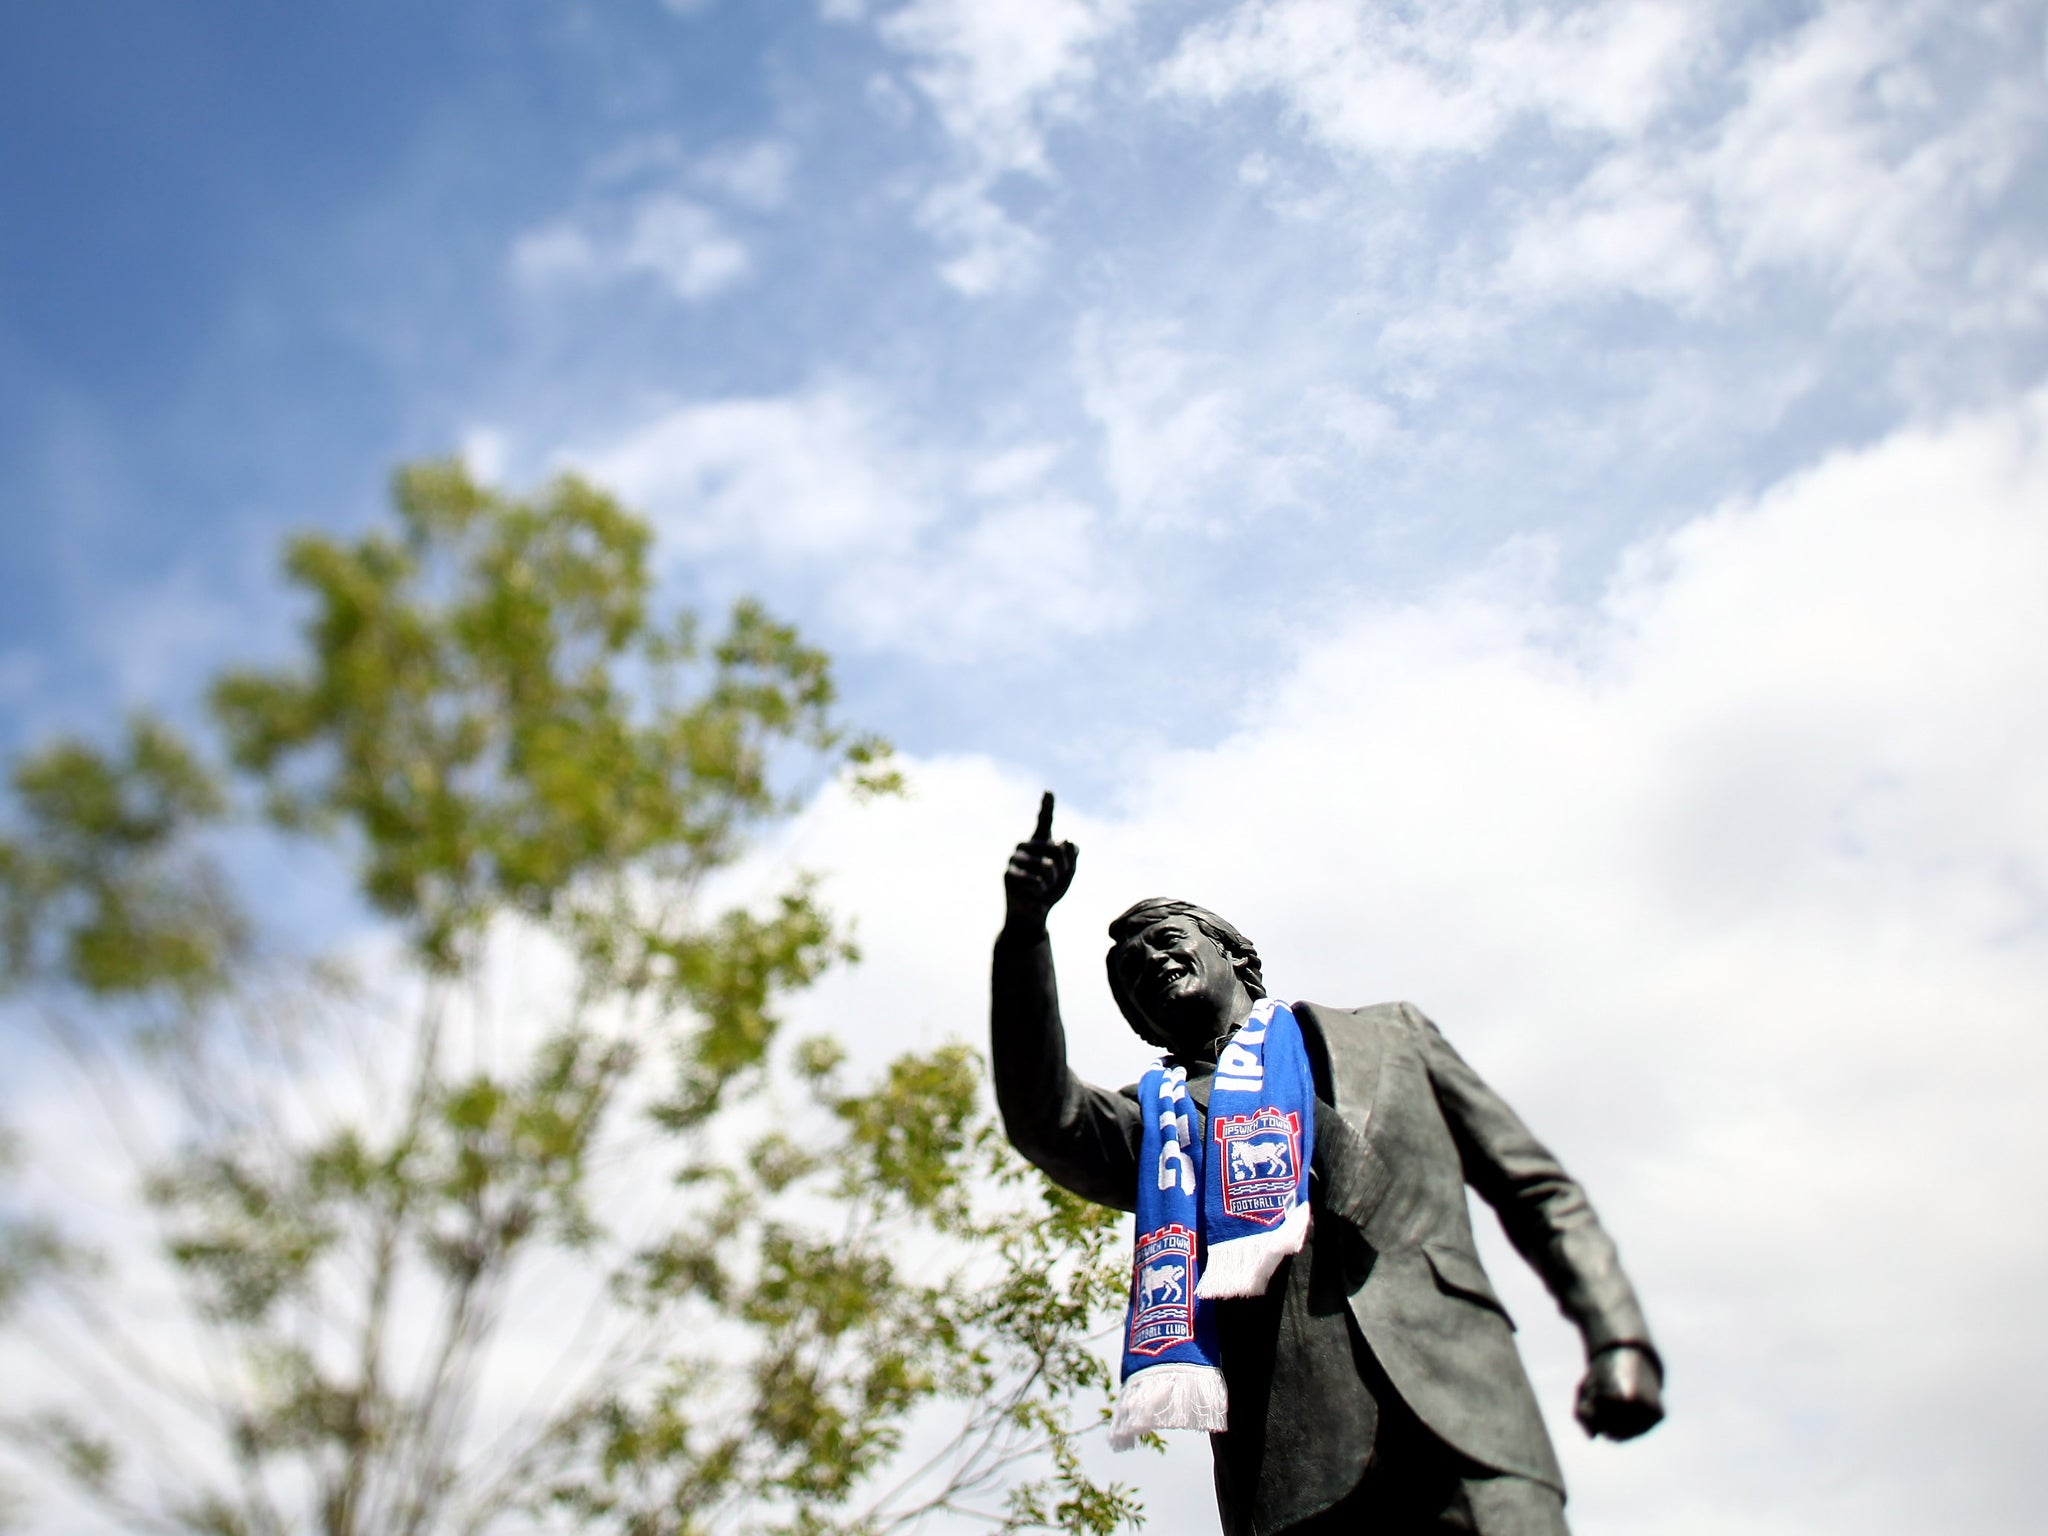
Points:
point(104, 887)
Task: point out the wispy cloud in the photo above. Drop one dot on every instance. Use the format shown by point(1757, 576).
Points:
point(1858, 149)
point(686, 245)
point(933, 549)
point(755, 174)
point(663, 212)
point(996, 74)
point(986, 250)
point(1852, 157)
point(1856, 154)
point(1172, 431)
point(816, 475)
point(1399, 84)
point(682, 244)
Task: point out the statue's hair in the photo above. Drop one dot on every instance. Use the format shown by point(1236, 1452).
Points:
point(1237, 949)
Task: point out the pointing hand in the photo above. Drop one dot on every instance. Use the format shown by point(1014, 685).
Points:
point(1040, 872)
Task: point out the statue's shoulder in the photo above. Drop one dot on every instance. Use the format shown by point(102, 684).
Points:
point(1347, 1046)
point(1373, 1016)
point(1358, 1032)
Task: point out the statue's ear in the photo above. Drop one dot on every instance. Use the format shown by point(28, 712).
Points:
point(1247, 969)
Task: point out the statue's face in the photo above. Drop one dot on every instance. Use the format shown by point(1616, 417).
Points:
point(1181, 981)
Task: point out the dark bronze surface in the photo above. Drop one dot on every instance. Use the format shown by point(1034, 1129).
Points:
point(1377, 1382)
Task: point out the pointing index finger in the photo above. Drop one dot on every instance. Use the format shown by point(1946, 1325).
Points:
point(1042, 833)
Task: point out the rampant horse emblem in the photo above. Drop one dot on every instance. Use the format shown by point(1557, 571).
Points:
point(1261, 1163)
point(1168, 1281)
point(1163, 1309)
point(1248, 1158)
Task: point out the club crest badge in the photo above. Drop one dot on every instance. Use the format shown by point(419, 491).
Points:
point(1261, 1161)
point(1162, 1292)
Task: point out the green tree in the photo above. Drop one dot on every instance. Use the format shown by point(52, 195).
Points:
point(523, 1214)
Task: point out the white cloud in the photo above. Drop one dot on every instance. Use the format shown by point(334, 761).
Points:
point(1449, 78)
point(1845, 157)
point(1859, 145)
point(816, 475)
point(554, 253)
point(1365, 424)
point(1005, 581)
point(989, 252)
point(1192, 438)
point(1736, 884)
point(640, 224)
point(823, 485)
point(1013, 471)
point(686, 245)
point(1171, 438)
point(755, 175)
point(683, 244)
point(997, 74)
point(487, 451)
point(995, 70)
point(1628, 227)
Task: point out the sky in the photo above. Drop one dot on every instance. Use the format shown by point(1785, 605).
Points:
point(1539, 509)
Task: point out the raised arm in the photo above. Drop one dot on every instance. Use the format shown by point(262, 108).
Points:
point(1085, 1137)
point(1551, 1223)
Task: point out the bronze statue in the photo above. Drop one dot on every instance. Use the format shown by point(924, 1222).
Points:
point(1374, 1385)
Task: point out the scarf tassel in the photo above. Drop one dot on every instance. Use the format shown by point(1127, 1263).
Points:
point(1170, 1395)
point(1244, 1266)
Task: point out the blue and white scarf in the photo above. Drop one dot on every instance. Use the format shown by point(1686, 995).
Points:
point(1218, 1209)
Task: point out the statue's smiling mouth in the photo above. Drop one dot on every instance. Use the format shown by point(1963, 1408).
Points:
point(1167, 973)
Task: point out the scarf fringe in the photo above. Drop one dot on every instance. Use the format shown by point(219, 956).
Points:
point(1244, 1266)
point(1171, 1395)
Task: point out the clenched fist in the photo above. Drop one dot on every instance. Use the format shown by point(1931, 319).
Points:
point(1623, 1393)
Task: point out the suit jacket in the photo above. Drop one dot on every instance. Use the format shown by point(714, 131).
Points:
point(1403, 1125)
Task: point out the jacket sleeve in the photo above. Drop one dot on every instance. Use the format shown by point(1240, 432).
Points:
point(1086, 1138)
point(1542, 1208)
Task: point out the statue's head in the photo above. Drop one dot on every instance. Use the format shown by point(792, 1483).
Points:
point(1174, 968)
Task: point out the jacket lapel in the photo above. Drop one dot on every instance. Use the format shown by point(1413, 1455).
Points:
point(1355, 1177)
point(1345, 1047)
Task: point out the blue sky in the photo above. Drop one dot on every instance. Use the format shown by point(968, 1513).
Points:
point(1534, 507)
point(1217, 326)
